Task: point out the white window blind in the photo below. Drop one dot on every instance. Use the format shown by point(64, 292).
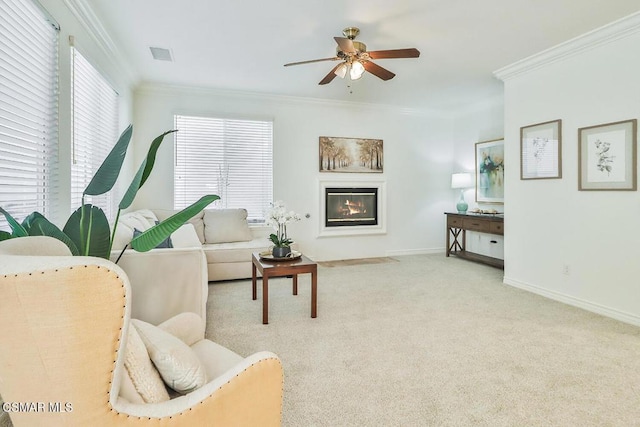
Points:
point(95, 130)
point(232, 158)
point(28, 109)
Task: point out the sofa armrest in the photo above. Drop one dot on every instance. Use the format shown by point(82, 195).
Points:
point(249, 394)
point(166, 282)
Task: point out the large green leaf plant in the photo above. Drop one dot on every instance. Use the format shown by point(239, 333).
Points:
point(87, 231)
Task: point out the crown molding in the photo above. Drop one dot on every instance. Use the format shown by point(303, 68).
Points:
point(84, 13)
point(495, 101)
point(163, 88)
point(616, 30)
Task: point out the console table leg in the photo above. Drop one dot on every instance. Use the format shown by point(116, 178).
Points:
point(295, 284)
point(314, 294)
point(265, 299)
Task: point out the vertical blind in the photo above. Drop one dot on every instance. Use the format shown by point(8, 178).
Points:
point(28, 109)
point(94, 106)
point(232, 158)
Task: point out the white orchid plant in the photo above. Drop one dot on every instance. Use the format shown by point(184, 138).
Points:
point(278, 217)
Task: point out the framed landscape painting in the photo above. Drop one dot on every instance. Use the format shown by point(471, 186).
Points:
point(490, 171)
point(607, 157)
point(351, 155)
point(541, 150)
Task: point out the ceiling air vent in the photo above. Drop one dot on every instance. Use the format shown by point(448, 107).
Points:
point(161, 54)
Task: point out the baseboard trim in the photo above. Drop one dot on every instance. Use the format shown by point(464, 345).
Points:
point(576, 302)
point(415, 252)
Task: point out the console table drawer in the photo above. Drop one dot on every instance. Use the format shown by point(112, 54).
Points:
point(476, 225)
point(496, 227)
point(453, 221)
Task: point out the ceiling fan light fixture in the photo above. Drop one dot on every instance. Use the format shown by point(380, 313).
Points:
point(341, 71)
point(357, 70)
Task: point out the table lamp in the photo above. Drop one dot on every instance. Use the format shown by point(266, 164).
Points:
point(461, 181)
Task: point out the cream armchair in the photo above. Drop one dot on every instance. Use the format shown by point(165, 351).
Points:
point(63, 347)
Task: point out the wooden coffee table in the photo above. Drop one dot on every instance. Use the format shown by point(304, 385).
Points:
point(270, 268)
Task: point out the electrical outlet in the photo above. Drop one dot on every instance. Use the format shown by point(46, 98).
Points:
point(565, 269)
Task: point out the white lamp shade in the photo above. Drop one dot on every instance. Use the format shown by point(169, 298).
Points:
point(357, 70)
point(341, 71)
point(461, 180)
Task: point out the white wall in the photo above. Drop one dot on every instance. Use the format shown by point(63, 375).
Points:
point(89, 42)
point(417, 162)
point(483, 121)
point(589, 81)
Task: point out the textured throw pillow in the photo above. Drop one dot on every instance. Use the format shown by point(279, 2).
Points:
point(144, 376)
point(177, 363)
point(226, 225)
point(166, 243)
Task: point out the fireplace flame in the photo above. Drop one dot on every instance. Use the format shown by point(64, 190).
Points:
point(353, 208)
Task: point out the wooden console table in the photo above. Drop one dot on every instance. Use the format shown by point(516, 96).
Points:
point(457, 226)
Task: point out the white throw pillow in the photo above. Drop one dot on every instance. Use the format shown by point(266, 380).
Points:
point(141, 220)
point(177, 363)
point(144, 376)
point(185, 237)
point(226, 225)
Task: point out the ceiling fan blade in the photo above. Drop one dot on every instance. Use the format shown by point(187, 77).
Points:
point(378, 71)
point(345, 44)
point(329, 77)
point(394, 53)
point(335, 58)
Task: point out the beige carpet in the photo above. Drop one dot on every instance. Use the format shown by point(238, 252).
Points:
point(434, 341)
point(359, 261)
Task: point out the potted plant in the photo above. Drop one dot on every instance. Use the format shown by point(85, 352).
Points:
point(278, 218)
point(87, 231)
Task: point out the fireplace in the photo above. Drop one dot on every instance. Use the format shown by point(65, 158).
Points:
point(353, 206)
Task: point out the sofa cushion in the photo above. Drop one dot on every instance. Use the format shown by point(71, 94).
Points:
point(234, 252)
point(178, 364)
point(187, 326)
point(226, 225)
point(185, 237)
point(144, 376)
point(216, 359)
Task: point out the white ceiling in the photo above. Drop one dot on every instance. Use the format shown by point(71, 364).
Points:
point(243, 44)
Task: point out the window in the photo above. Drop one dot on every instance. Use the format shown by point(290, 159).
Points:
point(28, 109)
point(228, 157)
point(94, 106)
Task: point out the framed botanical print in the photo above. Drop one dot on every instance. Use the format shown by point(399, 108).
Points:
point(607, 157)
point(541, 150)
point(490, 171)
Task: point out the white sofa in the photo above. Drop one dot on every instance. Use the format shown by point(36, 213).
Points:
point(227, 241)
point(214, 245)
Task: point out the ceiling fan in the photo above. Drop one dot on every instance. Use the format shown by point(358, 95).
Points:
point(356, 60)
